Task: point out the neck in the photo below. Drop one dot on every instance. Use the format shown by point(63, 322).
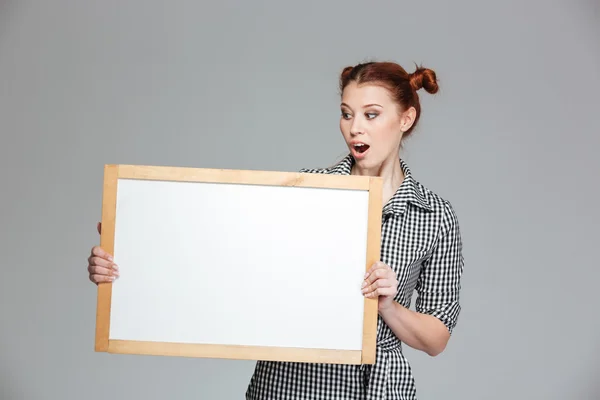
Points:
point(391, 172)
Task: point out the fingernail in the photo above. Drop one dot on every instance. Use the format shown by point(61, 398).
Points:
point(115, 266)
point(364, 284)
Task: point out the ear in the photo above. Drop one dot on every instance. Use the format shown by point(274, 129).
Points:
point(407, 119)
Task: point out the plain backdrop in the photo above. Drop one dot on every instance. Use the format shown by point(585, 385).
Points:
point(511, 140)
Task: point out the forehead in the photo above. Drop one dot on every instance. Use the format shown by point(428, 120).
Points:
point(366, 93)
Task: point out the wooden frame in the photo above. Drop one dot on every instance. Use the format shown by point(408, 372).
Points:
point(112, 173)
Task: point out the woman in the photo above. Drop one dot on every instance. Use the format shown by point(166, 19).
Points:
point(421, 248)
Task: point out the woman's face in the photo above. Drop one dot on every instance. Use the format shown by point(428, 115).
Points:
point(372, 124)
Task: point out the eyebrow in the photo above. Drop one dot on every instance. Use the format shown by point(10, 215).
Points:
point(365, 106)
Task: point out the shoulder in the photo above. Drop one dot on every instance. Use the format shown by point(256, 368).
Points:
point(441, 207)
point(342, 167)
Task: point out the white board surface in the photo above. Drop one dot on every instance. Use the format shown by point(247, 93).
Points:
point(233, 264)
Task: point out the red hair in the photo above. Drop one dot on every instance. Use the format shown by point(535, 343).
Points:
point(403, 86)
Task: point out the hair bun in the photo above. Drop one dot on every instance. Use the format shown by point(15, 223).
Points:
point(424, 78)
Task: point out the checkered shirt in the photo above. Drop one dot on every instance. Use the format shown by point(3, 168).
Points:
point(421, 242)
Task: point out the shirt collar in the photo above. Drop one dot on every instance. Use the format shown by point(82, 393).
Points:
point(409, 192)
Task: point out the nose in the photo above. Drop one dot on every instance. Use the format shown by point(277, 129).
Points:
point(356, 128)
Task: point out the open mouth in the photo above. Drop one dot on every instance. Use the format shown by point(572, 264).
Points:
point(360, 148)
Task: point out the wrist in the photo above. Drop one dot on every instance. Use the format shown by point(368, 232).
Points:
point(388, 308)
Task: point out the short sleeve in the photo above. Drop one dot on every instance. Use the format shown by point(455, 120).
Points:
point(438, 286)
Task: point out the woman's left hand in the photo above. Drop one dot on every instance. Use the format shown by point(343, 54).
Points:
point(380, 281)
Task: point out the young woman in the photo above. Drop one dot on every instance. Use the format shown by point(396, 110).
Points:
point(421, 247)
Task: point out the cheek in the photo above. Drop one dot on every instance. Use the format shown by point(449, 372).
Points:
point(385, 133)
point(389, 131)
point(344, 127)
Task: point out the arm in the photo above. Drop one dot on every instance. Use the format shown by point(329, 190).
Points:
point(419, 331)
point(437, 307)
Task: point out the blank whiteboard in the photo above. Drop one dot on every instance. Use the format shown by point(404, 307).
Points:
point(237, 264)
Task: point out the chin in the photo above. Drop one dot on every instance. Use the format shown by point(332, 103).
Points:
point(367, 163)
point(370, 165)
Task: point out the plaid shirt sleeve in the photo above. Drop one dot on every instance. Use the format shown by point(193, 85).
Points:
point(438, 286)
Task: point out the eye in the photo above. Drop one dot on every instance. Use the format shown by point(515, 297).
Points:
point(371, 115)
point(345, 115)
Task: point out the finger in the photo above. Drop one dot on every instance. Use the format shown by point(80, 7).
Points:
point(101, 262)
point(378, 273)
point(383, 291)
point(376, 265)
point(379, 265)
point(100, 252)
point(101, 278)
point(97, 270)
point(370, 286)
point(380, 283)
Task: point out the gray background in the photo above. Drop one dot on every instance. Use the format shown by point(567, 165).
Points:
point(511, 140)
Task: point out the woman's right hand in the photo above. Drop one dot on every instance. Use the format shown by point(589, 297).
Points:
point(101, 267)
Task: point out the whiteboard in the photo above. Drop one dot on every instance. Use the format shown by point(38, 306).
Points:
point(239, 264)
